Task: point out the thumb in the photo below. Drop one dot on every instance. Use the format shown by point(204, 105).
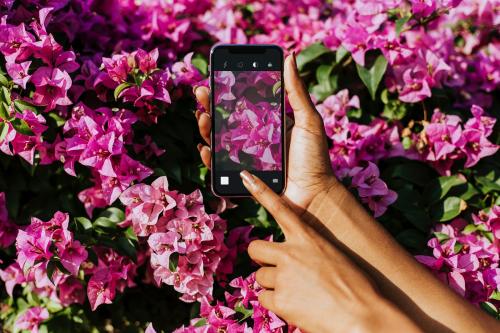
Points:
point(304, 112)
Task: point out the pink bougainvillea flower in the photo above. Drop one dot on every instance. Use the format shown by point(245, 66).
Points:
point(12, 276)
point(99, 152)
point(423, 8)
point(19, 72)
point(146, 61)
point(185, 73)
point(71, 291)
point(52, 85)
point(72, 256)
point(101, 288)
point(476, 146)
point(224, 80)
point(367, 181)
point(415, 86)
point(31, 319)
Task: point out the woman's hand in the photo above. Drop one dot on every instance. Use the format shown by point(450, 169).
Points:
point(309, 169)
point(310, 283)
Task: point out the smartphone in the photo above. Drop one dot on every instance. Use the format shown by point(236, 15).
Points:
point(247, 102)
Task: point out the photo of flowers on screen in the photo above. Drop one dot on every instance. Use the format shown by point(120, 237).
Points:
point(248, 120)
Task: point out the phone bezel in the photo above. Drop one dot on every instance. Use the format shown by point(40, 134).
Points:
point(245, 49)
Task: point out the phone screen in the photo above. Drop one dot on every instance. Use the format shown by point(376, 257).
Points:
point(247, 116)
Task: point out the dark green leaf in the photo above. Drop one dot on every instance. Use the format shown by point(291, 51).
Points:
point(51, 266)
point(244, 311)
point(120, 89)
point(490, 308)
point(439, 187)
point(21, 126)
point(127, 247)
point(173, 261)
point(61, 268)
point(447, 209)
point(372, 77)
point(310, 53)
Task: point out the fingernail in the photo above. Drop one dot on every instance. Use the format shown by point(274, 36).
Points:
point(194, 89)
point(206, 114)
point(247, 178)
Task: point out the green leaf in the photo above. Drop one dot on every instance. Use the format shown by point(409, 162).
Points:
point(21, 105)
point(439, 187)
point(4, 111)
point(490, 308)
point(21, 126)
point(327, 84)
point(447, 209)
point(406, 142)
point(340, 54)
point(372, 77)
point(201, 322)
point(244, 311)
point(393, 109)
point(223, 112)
point(276, 87)
point(4, 129)
point(113, 214)
point(310, 53)
point(85, 223)
point(6, 95)
point(3, 80)
point(104, 222)
point(51, 266)
point(200, 63)
point(173, 261)
point(121, 88)
point(60, 121)
point(441, 236)
point(61, 268)
point(486, 185)
point(127, 247)
point(400, 23)
point(495, 295)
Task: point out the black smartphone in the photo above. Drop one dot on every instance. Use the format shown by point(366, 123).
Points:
point(247, 102)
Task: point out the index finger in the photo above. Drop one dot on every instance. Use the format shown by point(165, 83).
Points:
point(275, 205)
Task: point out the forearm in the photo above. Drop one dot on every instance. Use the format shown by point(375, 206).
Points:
point(399, 277)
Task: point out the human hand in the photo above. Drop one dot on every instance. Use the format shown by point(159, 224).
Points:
point(309, 170)
point(310, 283)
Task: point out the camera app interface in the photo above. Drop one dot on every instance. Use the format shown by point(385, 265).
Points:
point(248, 120)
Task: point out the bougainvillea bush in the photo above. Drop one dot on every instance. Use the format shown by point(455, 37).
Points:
point(106, 218)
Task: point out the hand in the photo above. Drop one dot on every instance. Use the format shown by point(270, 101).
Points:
point(310, 283)
point(309, 169)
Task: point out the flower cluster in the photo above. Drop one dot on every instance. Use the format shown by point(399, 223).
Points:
point(186, 242)
point(240, 306)
point(41, 247)
point(31, 319)
point(466, 256)
point(250, 130)
point(446, 139)
point(113, 272)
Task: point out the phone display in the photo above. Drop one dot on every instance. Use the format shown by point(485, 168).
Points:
point(247, 116)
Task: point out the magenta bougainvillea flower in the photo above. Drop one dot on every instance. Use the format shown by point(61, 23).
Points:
point(31, 319)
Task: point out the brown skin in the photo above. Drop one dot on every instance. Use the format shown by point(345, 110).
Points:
point(322, 202)
point(311, 283)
